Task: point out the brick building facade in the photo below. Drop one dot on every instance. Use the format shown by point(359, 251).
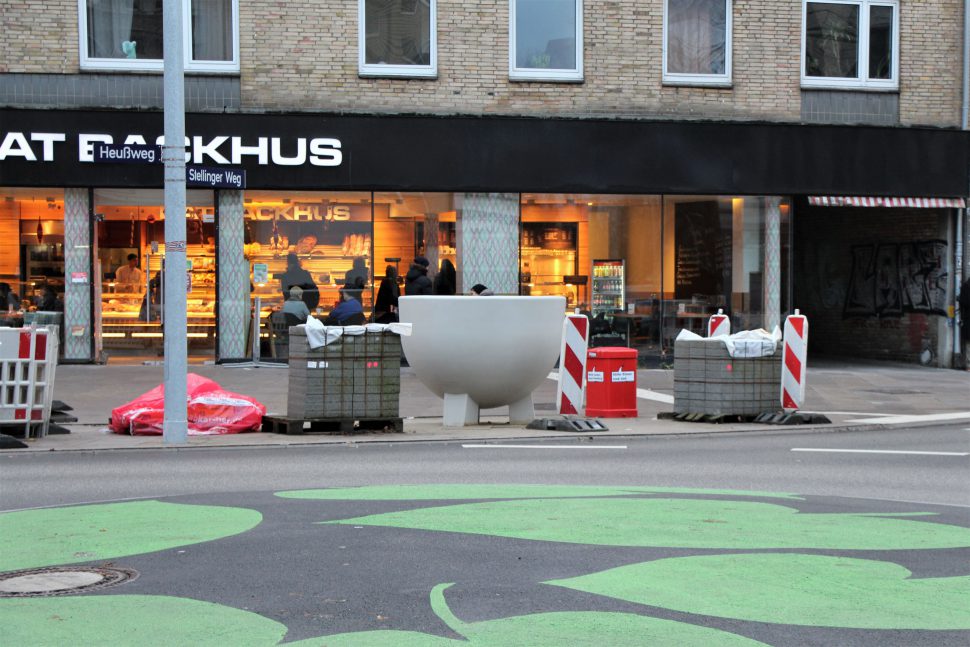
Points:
point(304, 59)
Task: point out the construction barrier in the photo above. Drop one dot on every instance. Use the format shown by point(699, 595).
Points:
point(572, 364)
point(28, 358)
point(794, 361)
point(719, 325)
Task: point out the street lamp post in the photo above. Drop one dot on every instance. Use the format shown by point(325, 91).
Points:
point(175, 426)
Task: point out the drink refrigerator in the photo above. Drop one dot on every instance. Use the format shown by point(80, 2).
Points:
point(608, 286)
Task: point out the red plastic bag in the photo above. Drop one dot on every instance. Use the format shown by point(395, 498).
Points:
point(211, 410)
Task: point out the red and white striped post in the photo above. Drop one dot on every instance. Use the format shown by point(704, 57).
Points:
point(794, 362)
point(572, 364)
point(719, 325)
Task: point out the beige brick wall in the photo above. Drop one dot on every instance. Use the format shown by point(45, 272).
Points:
point(303, 56)
point(930, 62)
point(39, 36)
point(622, 64)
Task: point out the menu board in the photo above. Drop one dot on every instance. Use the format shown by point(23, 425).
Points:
point(698, 257)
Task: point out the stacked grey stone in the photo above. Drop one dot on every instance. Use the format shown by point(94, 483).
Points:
point(707, 380)
point(356, 377)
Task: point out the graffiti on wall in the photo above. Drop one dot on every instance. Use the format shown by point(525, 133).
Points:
point(890, 279)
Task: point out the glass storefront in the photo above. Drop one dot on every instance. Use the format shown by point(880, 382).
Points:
point(642, 266)
point(646, 267)
point(31, 249)
point(129, 252)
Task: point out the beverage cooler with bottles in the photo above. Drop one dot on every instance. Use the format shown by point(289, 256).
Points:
point(608, 286)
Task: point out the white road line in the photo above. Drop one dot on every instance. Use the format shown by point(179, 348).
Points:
point(901, 420)
point(544, 446)
point(643, 394)
point(878, 451)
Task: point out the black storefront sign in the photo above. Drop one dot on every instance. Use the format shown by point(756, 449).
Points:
point(471, 154)
point(214, 177)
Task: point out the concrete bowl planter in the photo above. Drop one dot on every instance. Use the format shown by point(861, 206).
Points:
point(482, 352)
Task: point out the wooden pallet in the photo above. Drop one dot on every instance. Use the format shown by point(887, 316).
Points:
point(284, 425)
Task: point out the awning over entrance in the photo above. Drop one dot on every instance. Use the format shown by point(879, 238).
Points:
point(871, 201)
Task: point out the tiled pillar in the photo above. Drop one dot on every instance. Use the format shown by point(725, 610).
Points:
point(772, 283)
point(234, 278)
point(78, 277)
point(488, 241)
point(431, 250)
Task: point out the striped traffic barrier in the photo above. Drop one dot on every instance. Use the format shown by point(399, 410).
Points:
point(794, 362)
point(719, 325)
point(572, 364)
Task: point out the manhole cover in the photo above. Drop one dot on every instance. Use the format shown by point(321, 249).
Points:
point(61, 580)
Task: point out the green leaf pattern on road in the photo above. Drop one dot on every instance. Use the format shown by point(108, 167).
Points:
point(789, 589)
point(84, 533)
point(136, 620)
point(543, 629)
point(682, 523)
point(444, 492)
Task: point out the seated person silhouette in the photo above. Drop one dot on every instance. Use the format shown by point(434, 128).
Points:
point(349, 312)
point(295, 305)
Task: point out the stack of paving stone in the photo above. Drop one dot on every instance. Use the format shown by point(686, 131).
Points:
point(707, 380)
point(355, 377)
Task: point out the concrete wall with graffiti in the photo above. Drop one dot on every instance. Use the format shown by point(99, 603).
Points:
point(875, 283)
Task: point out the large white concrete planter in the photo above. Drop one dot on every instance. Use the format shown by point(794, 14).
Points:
point(482, 352)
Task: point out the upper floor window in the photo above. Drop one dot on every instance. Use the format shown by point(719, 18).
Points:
point(697, 42)
point(546, 40)
point(398, 38)
point(851, 44)
point(127, 35)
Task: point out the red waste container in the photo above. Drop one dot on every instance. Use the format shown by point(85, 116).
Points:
point(611, 382)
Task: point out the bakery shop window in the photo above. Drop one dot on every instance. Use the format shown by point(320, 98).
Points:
point(130, 252)
point(321, 242)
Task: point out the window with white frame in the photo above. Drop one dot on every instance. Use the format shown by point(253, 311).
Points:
point(398, 38)
point(127, 34)
point(546, 40)
point(697, 42)
point(851, 43)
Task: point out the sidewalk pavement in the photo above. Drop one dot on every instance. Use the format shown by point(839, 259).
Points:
point(854, 395)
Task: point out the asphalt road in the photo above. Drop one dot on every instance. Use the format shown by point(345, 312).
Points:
point(750, 461)
point(768, 538)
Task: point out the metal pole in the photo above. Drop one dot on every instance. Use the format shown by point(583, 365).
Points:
point(175, 426)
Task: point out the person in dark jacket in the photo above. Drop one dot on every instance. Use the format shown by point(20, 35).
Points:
point(48, 300)
point(296, 275)
point(416, 281)
point(447, 279)
point(385, 308)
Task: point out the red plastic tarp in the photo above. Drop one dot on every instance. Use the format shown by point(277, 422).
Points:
point(211, 411)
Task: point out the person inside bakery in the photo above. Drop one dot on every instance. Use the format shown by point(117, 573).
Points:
point(152, 300)
point(48, 301)
point(349, 311)
point(295, 306)
point(385, 307)
point(9, 300)
point(129, 278)
point(416, 281)
point(357, 273)
point(446, 280)
point(296, 275)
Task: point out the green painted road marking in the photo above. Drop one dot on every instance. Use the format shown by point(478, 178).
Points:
point(484, 491)
point(682, 523)
point(89, 532)
point(790, 589)
point(378, 638)
point(542, 629)
point(137, 620)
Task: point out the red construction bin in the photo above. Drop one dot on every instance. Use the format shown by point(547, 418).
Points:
point(611, 382)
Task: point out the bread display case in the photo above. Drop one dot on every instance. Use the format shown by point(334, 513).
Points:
point(333, 247)
point(130, 320)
